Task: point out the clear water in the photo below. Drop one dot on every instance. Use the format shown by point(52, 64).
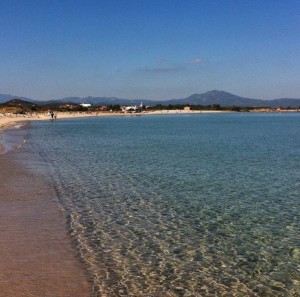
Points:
point(200, 205)
point(13, 138)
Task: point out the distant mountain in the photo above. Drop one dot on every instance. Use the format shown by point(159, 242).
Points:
point(18, 103)
point(104, 101)
point(226, 99)
point(286, 102)
point(4, 98)
point(223, 99)
point(209, 98)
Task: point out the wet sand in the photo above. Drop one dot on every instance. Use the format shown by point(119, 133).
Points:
point(37, 257)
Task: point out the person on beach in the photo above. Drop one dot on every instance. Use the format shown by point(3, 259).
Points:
point(52, 115)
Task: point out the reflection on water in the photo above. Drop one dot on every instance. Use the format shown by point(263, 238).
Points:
point(200, 205)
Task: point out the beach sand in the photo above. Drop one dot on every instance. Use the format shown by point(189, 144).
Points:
point(37, 257)
point(6, 119)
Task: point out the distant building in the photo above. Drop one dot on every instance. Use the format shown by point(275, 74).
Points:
point(85, 105)
point(132, 108)
point(187, 108)
point(68, 106)
point(129, 108)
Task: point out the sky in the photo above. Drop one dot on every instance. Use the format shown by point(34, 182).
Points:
point(149, 49)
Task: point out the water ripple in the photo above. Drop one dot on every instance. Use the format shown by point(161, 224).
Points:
point(184, 206)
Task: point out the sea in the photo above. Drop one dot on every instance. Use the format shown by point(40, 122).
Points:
point(178, 205)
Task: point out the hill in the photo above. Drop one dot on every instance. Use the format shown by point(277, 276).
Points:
point(227, 99)
point(4, 98)
point(18, 103)
point(221, 98)
point(103, 101)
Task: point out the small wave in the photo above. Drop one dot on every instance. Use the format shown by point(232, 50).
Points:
point(22, 144)
point(18, 126)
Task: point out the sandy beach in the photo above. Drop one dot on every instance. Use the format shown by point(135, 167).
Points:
point(8, 119)
point(37, 256)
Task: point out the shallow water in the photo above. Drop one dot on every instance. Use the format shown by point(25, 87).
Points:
point(200, 205)
point(15, 137)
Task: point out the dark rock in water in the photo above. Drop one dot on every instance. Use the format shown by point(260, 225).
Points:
point(178, 249)
point(198, 256)
point(262, 290)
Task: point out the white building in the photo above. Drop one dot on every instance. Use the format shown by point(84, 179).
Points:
point(85, 105)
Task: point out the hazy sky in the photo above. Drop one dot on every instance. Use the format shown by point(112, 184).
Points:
point(151, 49)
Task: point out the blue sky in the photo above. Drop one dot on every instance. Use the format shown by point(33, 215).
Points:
point(149, 49)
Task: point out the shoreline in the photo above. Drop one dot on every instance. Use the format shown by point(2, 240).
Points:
point(9, 119)
point(38, 257)
point(37, 254)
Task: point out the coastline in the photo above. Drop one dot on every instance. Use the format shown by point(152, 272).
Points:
point(9, 119)
point(37, 256)
point(28, 206)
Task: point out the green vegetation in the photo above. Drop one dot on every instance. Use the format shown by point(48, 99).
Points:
point(198, 107)
point(115, 107)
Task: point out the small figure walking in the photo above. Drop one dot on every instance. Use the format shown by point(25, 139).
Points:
point(52, 115)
